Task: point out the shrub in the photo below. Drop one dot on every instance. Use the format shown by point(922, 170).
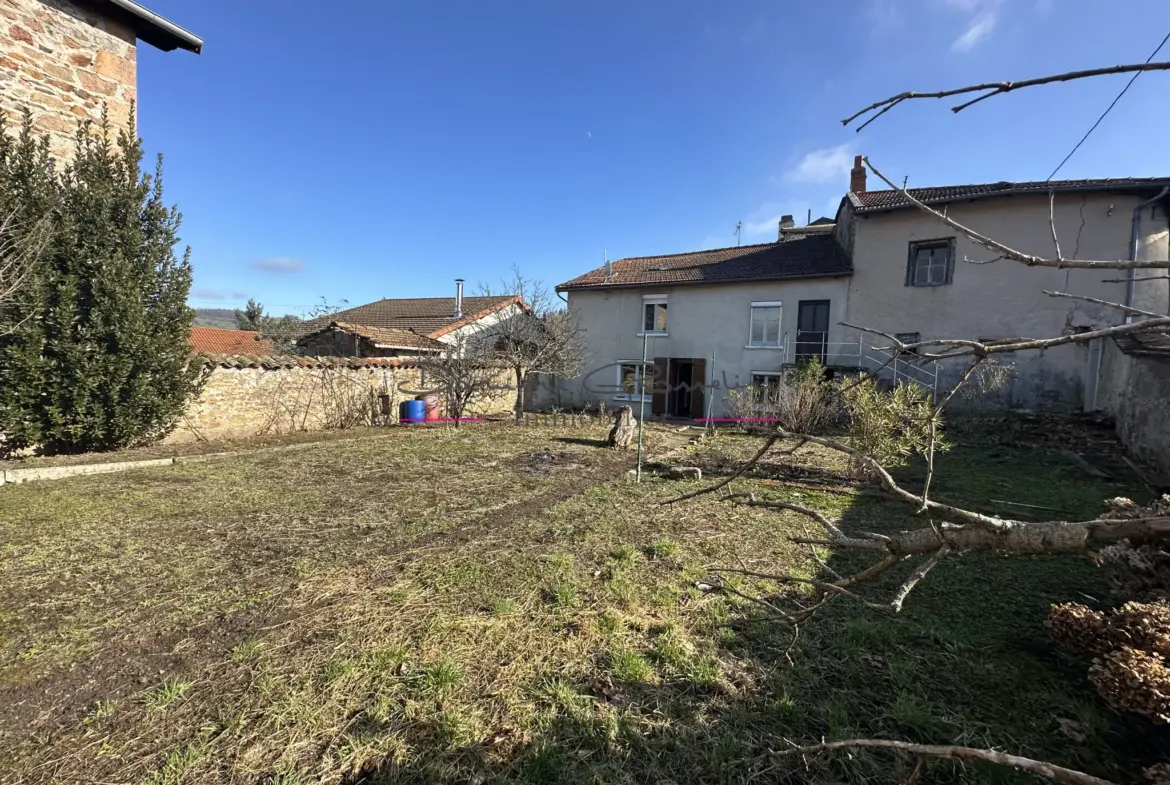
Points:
point(803, 401)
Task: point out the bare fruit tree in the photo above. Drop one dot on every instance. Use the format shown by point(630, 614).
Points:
point(540, 338)
point(463, 375)
point(948, 530)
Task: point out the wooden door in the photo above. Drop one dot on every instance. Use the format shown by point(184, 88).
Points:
point(698, 387)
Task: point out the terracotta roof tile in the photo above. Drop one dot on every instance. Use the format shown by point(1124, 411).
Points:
point(385, 337)
point(425, 315)
point(214, 340)
point(272, 362)
point(877, 201)
point(807, 256)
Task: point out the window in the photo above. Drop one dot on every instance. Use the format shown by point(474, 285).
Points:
point(932, 262)
point(909, 338)
point(632, 377)
point(654, 313)
point(765, 386)
point(764, 329)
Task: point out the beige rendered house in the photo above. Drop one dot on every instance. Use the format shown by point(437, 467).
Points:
point(67, 60)
point(712, 321)
point(735, 317)
point(911, 278)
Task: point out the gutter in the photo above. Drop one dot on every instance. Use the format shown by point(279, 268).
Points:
point(169, 32)
point(661, 284)
point(1134, 240)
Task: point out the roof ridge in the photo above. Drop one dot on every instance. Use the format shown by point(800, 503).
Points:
point(1012, 183)
point(691, 253)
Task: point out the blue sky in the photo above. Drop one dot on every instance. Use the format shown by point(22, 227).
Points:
point(384, 151)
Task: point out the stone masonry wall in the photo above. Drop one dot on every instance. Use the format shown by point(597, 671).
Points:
point(1133, 390)
point(240, 403)
point(64, 63)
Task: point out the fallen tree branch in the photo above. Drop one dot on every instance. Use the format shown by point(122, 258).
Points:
point(1040, 768)
point(990, 89)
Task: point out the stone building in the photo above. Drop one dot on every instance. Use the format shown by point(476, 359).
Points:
point(66, 60)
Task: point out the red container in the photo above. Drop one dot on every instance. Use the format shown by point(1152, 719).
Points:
point(432, 407)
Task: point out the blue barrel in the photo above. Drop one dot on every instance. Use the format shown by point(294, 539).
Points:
point(412, 411)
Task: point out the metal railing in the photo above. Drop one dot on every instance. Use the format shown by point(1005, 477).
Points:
point(886, 364)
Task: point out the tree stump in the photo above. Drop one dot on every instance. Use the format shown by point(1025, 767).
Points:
point(625, 429)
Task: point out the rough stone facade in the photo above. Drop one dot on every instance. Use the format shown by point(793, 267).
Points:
point(64, 64)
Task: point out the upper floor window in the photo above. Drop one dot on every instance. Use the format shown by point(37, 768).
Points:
point(654, 313)
point(932, 262)
point(764, 329)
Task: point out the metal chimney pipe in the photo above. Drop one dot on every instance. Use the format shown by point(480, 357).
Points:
point(458, 298)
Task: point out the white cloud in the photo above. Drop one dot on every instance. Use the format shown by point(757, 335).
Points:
point(278, 265)
point(979, 28)
point(823, 166)
point(208, 294)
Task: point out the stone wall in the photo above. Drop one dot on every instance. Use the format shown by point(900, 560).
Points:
point(64, 63)
point(249, 397)
point(1134, 391)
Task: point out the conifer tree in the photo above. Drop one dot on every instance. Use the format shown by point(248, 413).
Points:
point(100, 358)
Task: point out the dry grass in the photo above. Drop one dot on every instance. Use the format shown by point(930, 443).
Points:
point(449, 606)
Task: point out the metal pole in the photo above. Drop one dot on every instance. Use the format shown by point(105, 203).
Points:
point(710, 398)
point(641, 407)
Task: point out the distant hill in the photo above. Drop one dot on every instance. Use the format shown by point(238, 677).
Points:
point(215, 317)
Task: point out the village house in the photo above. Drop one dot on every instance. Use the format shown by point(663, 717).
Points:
point(915, 276)
point(67, 60)
point(405, 327)
point(738, 317)
point(712, 320)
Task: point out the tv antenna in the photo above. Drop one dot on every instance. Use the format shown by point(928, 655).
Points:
point(738, 230)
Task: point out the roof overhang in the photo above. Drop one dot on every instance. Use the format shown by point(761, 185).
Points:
point(156, 30)
point(720, 282)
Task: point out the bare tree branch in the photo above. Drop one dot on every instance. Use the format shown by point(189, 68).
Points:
point(990, 89)
point(1108, 303)
point(1040, 768)
point(1007, 252)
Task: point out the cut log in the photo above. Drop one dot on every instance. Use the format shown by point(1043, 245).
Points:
point(625, 429)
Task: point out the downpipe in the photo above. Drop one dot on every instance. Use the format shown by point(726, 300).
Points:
point(1134, 241)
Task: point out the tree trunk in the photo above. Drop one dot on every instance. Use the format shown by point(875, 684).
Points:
point(519, 394)
point(625, 429)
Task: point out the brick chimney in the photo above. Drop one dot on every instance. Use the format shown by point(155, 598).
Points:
point(786, 222)
point(857, 176)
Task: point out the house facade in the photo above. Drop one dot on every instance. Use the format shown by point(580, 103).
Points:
point(911, 274)
point(67, 60)
point(711, 321)
point(729, 318)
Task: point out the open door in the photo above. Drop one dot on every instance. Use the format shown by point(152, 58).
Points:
point(659, 386)
point(699, 387)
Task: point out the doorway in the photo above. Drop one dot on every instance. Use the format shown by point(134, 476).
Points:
point(812, 330)
point(679, 387)
point(681, 381)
